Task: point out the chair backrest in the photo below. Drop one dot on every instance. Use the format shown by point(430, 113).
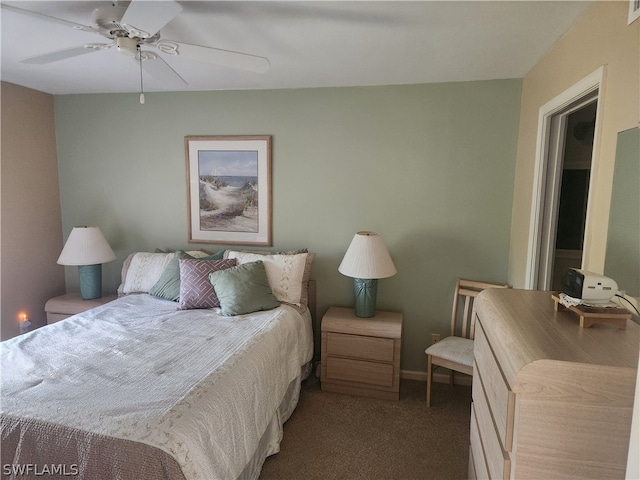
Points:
point(463, 323)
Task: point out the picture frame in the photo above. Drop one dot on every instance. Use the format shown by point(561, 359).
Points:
point(634, 11)
point(229, 189)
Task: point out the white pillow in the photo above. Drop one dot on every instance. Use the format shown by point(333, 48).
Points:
point(143, 271)
point(284, 272)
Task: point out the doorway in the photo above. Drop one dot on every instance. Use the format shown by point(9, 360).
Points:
point(574, 192)
point(567, 135)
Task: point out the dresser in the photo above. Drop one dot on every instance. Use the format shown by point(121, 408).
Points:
point(361, 356)
point(550, 399)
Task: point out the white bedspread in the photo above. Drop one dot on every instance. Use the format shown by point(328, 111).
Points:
point(198, 385)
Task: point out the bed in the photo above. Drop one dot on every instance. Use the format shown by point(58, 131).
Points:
point(146, 387)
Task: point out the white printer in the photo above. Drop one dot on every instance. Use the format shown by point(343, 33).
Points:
point(588, 286)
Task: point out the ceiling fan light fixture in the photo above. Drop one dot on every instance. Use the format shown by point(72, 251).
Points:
point(128, 46)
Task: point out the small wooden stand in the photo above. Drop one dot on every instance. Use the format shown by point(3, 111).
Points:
point(591, 315)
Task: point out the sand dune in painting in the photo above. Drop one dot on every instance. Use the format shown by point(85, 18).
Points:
point(225, 207)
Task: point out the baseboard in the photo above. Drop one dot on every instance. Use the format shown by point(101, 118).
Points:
point(438, 376)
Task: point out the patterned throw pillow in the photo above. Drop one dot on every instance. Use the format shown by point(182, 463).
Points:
point(168, 285)
point(195, 289)
point(288, 274)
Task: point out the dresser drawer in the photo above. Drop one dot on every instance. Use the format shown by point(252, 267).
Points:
point(498, 393)
point(360, 347)
point(350, 370)
point(477, 463)
point(472, 469)
point(497, 460)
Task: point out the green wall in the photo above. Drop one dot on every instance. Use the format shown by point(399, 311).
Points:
point(429, 167)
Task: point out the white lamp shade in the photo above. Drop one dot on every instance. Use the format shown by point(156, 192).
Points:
point(367, 257)
point(86, 246)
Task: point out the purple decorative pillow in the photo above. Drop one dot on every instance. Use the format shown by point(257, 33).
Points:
point(196, 290)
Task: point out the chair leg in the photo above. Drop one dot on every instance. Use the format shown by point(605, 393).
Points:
point(429, 379)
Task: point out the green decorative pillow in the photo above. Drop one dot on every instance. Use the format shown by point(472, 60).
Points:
point(243, 289)
point(168, 285)
point(213, 256)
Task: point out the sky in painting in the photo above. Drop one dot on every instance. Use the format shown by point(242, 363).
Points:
point(228, 163)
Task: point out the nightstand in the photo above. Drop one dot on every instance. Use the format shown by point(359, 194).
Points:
point(59, 308)
point(361, 356)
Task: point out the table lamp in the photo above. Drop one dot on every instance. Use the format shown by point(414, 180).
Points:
point(367, 259)
point(87, 248)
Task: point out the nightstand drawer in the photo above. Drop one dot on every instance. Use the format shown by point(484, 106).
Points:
point(349, 370)
point(498, 393)
point(361, 347)
point(56, 317)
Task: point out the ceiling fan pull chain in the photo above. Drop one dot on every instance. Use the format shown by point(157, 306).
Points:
point(141, 86)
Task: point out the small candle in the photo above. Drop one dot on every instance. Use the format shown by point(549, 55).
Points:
point(24, 322)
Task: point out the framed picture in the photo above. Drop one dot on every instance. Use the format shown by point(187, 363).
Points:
point(229, 189)
point(634, 11)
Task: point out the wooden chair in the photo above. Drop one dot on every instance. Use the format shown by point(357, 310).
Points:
point(456, 352)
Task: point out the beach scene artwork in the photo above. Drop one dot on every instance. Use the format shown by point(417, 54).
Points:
point(228, 190)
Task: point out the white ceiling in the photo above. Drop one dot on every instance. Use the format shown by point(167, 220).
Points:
point(308, 43)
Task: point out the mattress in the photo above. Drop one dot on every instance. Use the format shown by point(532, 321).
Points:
point(137, 389)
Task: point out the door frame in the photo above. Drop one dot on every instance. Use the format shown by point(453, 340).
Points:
point(548, 162)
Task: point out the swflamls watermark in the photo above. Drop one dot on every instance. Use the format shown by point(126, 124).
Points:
point(37, 470)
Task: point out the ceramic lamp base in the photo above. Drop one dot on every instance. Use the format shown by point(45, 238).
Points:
point(90, 281)
point(365, 292)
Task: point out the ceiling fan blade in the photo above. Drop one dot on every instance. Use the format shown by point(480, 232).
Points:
point(65, 53)
point(144, 19)
point(49, 18)
point(161, 70)
point(227, 58)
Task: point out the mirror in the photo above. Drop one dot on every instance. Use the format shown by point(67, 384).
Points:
point(622, 260)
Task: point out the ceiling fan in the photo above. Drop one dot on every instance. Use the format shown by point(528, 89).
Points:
point(134, 30)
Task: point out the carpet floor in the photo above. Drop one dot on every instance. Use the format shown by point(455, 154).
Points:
point(336, 436)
